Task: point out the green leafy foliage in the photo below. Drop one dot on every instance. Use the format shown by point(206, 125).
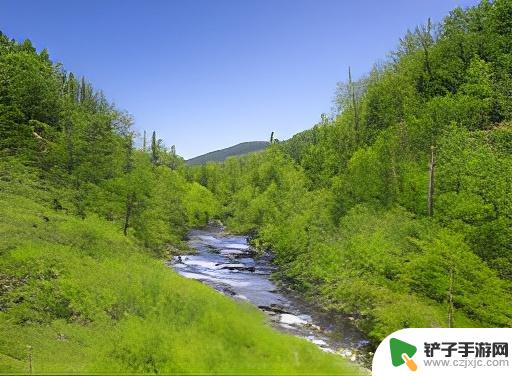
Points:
point(344, 205)
point(78, 141)
point(83, 215)
point(88, 299)
point(397, 211)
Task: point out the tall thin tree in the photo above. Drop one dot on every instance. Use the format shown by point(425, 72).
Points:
point(83, 88)
point(354, 105)
point(130, 202)
point(154, 149)
point(426, 40)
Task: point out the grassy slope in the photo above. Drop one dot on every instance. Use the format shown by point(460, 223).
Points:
point(87, 299)
point(236, 150)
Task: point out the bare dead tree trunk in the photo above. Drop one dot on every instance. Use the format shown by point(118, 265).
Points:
point(426, 42)
point(129, 208)
point(431, 182)
point(450, 301)
point(354, 106)
point(144, 142)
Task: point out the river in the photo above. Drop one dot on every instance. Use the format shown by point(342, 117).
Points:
point(229, 264)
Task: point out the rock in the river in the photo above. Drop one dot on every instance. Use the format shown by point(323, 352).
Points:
point(306, 318)
point(239, 246)
point(347, 353)
point(319, 342)
point(235, 267)
point(208, 238)
point(289, 319)
point(232, 252)
point(278, 308)
point(314, 327)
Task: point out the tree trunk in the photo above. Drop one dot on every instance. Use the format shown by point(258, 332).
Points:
point(154, 149)
point(426, 42)
point(431, 182)
point(129, 208)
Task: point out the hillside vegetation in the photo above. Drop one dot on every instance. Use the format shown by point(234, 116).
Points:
point(398, 209)
point(233, 151)
point(86, 220)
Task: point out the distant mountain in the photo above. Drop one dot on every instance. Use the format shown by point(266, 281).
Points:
point(222, 154)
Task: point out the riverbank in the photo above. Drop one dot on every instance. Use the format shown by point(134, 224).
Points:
point(230, 265)
point(77, 296)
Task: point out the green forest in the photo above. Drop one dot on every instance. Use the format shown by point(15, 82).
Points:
point(396, 208)
point(87, 219)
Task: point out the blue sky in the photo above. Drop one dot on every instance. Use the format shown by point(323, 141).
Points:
point(210, 74)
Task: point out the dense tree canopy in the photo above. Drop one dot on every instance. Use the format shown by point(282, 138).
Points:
point(85, 219)
point(71, 137)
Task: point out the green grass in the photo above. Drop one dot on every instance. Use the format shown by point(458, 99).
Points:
point(87, 299)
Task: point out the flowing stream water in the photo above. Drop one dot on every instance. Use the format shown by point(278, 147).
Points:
point(229, 264)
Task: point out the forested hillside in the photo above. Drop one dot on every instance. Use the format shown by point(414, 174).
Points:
point(86, 219)
point(233, 151)
point(398, 209)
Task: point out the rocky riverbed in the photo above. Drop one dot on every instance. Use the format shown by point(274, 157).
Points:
point(229, 264)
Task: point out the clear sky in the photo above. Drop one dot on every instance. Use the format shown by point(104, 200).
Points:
point(209, 74)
